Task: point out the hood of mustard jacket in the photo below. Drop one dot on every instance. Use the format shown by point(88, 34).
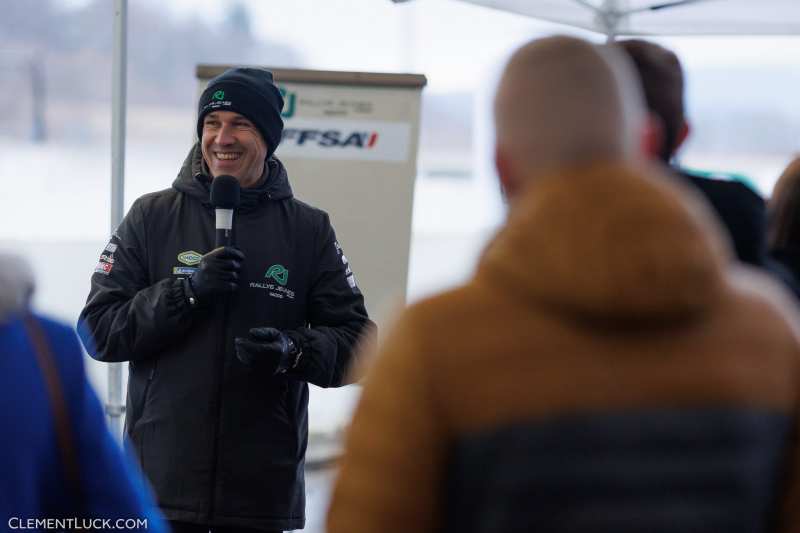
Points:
point(606, 243)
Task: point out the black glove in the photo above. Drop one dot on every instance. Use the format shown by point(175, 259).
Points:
point(217, 275)
point(268, 348)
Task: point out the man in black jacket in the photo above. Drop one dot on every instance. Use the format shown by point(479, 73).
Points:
point(222, 342)
point(741, 210)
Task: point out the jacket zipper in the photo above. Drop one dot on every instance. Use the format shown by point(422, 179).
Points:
point(139, 449)
point(217, 424)
point(150, 377)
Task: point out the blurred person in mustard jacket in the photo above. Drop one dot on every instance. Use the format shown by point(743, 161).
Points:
point(606, 369)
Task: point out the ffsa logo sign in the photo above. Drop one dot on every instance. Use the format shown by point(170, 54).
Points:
point(323, 138)
point(331, 138)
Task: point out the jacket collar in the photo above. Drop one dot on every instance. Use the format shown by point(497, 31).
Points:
point(193, 179)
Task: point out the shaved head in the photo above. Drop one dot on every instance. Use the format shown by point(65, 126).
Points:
point(563, 101)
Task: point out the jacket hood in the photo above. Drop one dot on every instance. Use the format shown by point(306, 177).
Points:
point(193, 179)
point(613, 244)
point(16, 285)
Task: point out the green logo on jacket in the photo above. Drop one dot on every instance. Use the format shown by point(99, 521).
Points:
point(278, 273)
point(189, 257)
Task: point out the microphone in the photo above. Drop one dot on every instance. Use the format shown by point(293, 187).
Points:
point(225, 199)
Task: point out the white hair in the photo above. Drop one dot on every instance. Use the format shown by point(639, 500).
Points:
point(16, 285)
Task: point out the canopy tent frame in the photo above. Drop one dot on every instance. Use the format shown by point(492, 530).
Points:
point(633, 17)
point(610, 17)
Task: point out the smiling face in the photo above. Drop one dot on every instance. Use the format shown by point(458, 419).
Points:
point(232, 145)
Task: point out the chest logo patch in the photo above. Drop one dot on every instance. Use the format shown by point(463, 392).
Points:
point(189, 257)
point(278, 289)
point(278, 273)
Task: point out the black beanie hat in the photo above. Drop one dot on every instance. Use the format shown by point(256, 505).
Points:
point(249, 92)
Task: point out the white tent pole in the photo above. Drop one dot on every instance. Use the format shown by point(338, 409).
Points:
point(119, 66)
point(609, 19)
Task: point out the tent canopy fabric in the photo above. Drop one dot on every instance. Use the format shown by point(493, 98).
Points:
point(663, 17)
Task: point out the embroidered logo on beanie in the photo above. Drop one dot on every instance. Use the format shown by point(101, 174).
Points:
point(219, 95)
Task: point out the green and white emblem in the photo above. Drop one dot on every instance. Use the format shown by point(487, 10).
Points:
point(190, 257)
point(278, 273)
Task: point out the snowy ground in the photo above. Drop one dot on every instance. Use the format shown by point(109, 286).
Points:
point(57, 215)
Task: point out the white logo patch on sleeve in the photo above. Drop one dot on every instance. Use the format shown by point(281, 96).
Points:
point(351, 279)
point(106, 263)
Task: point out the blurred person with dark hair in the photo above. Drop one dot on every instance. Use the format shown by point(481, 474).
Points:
point(59, 463)
point(662, 79)
point(783, 235)
point(741, 210)
point(606, 369)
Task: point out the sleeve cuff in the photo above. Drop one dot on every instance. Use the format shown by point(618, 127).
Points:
point(180, 297)
point(298, 359)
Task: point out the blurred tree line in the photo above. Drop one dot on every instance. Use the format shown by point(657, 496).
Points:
point(71, 49)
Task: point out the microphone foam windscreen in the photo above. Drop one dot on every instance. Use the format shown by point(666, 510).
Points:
point(225, 192)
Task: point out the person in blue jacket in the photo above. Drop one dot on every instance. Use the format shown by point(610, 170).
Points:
point(49, 408)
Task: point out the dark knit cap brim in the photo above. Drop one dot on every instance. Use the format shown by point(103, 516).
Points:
point(250, 92)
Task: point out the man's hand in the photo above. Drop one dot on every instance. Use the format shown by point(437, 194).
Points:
point(217, 275)
point(269, 348)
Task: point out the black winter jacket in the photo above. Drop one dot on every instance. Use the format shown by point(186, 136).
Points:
point(743, 214)
point(741, 210)
point(223, 443)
